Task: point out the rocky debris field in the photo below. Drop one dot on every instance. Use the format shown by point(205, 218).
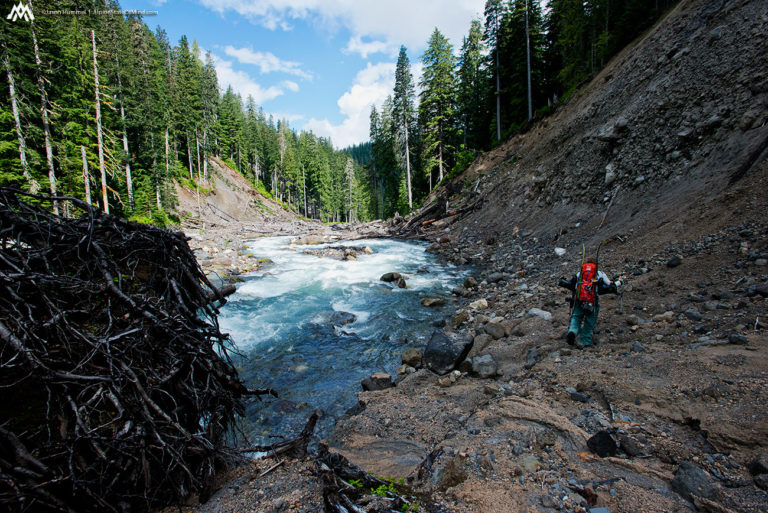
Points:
point(661, 162)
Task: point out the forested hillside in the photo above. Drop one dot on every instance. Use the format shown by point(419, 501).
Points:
point(102, 108)
point(515, 65)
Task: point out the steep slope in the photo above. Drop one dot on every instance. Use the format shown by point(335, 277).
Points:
point(673, 121)
point(230, 199)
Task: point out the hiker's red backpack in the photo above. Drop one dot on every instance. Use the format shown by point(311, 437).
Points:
point(587, 291)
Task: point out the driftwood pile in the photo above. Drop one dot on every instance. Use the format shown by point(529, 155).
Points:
point(117, 391)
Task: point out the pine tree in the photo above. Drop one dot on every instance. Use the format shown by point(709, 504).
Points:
point(472, 110)
point(437, 107)
point(403, 114)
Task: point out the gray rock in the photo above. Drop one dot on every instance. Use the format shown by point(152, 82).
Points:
point(633, 320)
point(691, 480)
point(495, 329)
point(693, 314)
point(577, 396)
point(460, 318)
point(470, 282)
point(542, 314)
point(637, 347)
point(412, 357)
point(378, 381)
point(494, 277)
point(674, 261)
point(484, 366)
point(761, 481)
point(738, 339)
point(445, 350)
point(598, 510)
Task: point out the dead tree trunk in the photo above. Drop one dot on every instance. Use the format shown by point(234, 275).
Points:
point(33, 185)
point(86, 176)
point(102, 167)
point(46, 121)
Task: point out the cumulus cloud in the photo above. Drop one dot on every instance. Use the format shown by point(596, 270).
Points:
point(389, 23)
point(357, 45)
point(370, 87)
point(242, 82)
point(267, 62)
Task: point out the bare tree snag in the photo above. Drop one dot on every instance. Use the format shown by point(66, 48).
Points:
point(100, 137)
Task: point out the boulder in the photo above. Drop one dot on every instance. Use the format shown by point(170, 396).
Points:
point(390, 277)
point(412, 357)
point(470, 282)
point(378, 381)
point(445, 350)
point(341, 318)
point(484, 366)
point(401, 283)
point(691, 480)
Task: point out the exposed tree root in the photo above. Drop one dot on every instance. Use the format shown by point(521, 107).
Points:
point(118, 393)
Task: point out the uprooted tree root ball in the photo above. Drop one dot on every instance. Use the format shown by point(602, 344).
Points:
point(118, 393)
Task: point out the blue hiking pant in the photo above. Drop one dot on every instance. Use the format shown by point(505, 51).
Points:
point(583, 323)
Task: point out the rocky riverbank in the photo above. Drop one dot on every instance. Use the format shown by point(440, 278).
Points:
point(665, 414)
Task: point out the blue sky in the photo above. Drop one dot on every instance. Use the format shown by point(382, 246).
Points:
point(320, 64)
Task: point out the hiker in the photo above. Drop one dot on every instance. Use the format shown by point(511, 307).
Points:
point(586, 286)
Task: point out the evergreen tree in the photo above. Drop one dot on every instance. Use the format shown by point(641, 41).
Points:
point(473, 89)
point(403, 114)
point(437, 107)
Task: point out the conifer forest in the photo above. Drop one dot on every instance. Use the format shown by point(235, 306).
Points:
point(103, 109)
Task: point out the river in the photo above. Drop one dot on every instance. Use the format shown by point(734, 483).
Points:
point(280, 322)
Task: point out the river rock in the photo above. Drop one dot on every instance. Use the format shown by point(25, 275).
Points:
point(484, 366)
point(378, 381)
point(494, 277)
point(470, 282)
point(693, 314)
point(412, 357)
point(341, 318)
point(445, 350)
point(432, 301)
point(460, 318)
point(480, 304)
point(738, 339)
point(541, 314)
point(495, 330)
point(668, 316)
point(691, 480)
point(390, 277)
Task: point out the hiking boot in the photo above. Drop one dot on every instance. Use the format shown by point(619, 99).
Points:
point(570, 338)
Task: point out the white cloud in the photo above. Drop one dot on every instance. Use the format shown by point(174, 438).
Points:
point(393, 22)
point(266, 61)
point(357, 45)
point(242, 82)
point(290, 85)
point(370, 87)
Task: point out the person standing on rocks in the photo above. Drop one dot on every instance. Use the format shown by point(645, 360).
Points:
point(586, 285)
